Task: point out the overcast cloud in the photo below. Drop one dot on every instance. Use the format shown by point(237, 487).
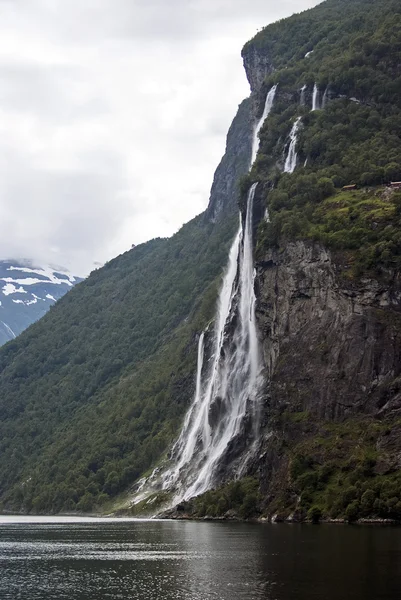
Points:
point(113, 117)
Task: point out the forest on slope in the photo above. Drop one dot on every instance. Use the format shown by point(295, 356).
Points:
point(93, 393)
point(355, 57)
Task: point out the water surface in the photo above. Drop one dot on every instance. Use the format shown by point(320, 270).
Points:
point(99, 559)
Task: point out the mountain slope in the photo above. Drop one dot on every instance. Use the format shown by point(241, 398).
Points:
point(94, 394)
point(328, 268)
point(95, 391)
point(27, 293)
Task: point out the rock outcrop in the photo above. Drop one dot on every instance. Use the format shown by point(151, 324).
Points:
point(332, 348)
point(331, 345)
point(224, 193)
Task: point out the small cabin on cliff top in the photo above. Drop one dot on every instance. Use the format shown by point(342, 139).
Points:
point(396, 185)
point(346, 188)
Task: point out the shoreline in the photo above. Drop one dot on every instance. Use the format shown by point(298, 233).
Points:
point(125, 516)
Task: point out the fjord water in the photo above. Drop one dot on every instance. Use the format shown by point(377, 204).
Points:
point(83, 559)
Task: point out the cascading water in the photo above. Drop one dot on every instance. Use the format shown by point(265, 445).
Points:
point(267, 108)
point(291, 160)
point(227, 384)
point(228, 392)
point(315, 98)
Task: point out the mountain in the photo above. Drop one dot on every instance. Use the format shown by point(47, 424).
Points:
point(292, 378)
point(27, 292)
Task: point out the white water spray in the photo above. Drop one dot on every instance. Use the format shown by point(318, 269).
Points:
point(291, 160)
point(315, 98)
point(267, 108)
point(228, 383)
point(229, 393)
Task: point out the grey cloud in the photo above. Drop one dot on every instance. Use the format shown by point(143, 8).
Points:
point(151, 20)
point(96, 96)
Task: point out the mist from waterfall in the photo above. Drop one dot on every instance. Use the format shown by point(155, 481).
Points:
point(228, 372)
point(291, 160)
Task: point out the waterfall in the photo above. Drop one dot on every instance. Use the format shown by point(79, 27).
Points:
point(291, 160)
point(226, 391)
point(228, 374)
point(302, 101)
point(315, 98)
point(267, 108)
point(192, 446)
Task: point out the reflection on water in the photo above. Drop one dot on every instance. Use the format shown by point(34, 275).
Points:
point(98, 559)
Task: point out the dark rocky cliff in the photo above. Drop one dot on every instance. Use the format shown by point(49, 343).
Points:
point(328, 265)
point(332, 349)
point(331, 345)
point(235, 163)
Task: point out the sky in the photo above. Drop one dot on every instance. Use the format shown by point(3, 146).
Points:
point(113, 118)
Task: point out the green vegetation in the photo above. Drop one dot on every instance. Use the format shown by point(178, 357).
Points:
point(236, 499)
point(338, 474)
point(356, 139)
point(93, 394)
point(366, 222)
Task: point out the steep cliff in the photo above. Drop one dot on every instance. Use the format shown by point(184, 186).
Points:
point(327, 270)
point(224, 195)
point(328, 279)
point(332, 349)
point(95, 394)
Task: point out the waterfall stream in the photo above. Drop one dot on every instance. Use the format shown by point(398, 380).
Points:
point(267, 108)
point(291, 160)
point(315, 98)
point(228, 373)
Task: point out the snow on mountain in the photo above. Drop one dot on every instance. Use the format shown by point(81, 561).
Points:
point(26, 293)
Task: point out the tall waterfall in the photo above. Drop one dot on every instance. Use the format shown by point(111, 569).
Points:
point(291, 160)
point(268, 106)
point(228, 374)
point(226, 391)
point(315, 98)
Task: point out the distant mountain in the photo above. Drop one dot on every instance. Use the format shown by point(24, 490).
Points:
point(27, 291)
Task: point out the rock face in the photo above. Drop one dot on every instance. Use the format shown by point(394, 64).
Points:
point(330, 345)
point(224, 194)
point(257, 66)
point(332, 349)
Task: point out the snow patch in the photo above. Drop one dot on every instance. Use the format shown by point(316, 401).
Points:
point(47, 272)
point(10, 288)
point(50, 297)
